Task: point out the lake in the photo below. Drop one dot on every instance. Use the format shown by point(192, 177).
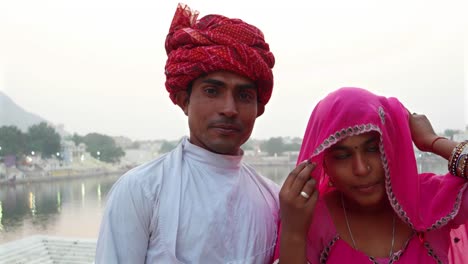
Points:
point(71, 208)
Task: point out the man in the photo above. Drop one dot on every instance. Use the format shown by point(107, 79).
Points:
point(200, 203)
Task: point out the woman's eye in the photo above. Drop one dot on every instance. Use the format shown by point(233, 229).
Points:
point(373, 149)
point(341, 156)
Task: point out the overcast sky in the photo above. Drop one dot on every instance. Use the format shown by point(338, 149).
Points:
point(98, 65)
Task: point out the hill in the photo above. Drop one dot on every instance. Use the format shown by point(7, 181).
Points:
point(12, 114)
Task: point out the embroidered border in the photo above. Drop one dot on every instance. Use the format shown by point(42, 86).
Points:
point(456, 207)
point(431, 253)
point(357, 130)
point(396, 256)
point(326, 251)
point(388, 187)
point(382, 115)
point(343, 133)
point(364, 128)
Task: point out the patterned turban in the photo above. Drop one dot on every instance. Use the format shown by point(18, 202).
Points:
point(216, 43)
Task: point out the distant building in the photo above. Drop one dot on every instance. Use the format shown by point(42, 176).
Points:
point(60, 129)
point(460, 136)
point(71, 152)
point(2, 170)
point(294, 140)
point(136, 154)
point(152, 146)
point(123, 142)
point(134, 157)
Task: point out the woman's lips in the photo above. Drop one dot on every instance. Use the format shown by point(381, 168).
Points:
point(367, 188)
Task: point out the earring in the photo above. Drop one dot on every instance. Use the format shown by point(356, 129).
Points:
point(330, 183)
point(368, 167)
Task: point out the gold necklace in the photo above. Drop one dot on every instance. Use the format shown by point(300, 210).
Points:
point(351, 233)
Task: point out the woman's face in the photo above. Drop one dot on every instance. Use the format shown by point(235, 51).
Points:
point(355, 168)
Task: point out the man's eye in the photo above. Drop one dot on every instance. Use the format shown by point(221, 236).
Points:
point(210, 90)
point(246, 96)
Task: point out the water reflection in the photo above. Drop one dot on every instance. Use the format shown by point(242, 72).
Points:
point(69, 208)
point(1, 217)
point(59, 201)
point(99, 192)
point(276, 173)
point(83, 194)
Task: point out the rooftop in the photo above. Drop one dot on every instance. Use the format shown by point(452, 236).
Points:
point(48, 249)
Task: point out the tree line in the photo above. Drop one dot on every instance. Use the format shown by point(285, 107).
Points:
point(279, 145)
point(40, 138)
point(272, 146)
point(43, 139)
point(100, 146)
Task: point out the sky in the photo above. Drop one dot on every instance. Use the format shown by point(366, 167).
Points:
point(98, 65)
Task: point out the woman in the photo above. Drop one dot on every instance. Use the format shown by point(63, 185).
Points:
point(366, 202)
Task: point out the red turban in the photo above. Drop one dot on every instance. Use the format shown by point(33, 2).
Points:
point(216, 43)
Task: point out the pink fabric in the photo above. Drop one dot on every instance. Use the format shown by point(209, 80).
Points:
point(214, 43)
point(426, 202)
point(441, 241)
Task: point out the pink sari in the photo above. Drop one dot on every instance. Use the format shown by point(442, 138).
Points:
point(435, 207)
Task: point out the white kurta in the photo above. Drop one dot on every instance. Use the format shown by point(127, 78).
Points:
point(190, 206)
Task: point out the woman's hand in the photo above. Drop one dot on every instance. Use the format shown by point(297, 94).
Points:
point(297, 202)
point(422, 132)
point(295, 208)
point(424, 137)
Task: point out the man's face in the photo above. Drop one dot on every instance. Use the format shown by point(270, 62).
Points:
point(221, 111)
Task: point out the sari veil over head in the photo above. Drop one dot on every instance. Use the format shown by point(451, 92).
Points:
point(352, 111)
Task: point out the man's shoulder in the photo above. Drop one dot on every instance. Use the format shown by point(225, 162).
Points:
point(146, 175)
point(148, 169)
point(269, 183)
point(150, 176)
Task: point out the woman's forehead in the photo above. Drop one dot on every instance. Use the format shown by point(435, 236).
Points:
point(357, 140)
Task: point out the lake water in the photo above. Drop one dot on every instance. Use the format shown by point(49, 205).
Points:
point(71, 208)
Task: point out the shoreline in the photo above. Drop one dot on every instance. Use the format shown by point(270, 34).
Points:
point(69, 176)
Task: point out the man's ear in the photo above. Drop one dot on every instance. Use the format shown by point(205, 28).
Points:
point(182, 100)
point(260, 109)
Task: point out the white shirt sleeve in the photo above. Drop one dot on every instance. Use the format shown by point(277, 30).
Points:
point(125, 229)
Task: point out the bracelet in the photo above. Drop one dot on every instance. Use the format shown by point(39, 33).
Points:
point(461, 165)
point(457, 162)
point(433, 142)
point(463, 174)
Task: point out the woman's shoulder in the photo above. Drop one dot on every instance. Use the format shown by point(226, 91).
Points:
point(322, 228)
point(322, 232)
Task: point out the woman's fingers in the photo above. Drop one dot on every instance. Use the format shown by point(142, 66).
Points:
point(422, 132)
point(313, 196)
point(308, 188)
point(299, 188)
point(302, 177)
point(293, 174)
point(298, 197)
